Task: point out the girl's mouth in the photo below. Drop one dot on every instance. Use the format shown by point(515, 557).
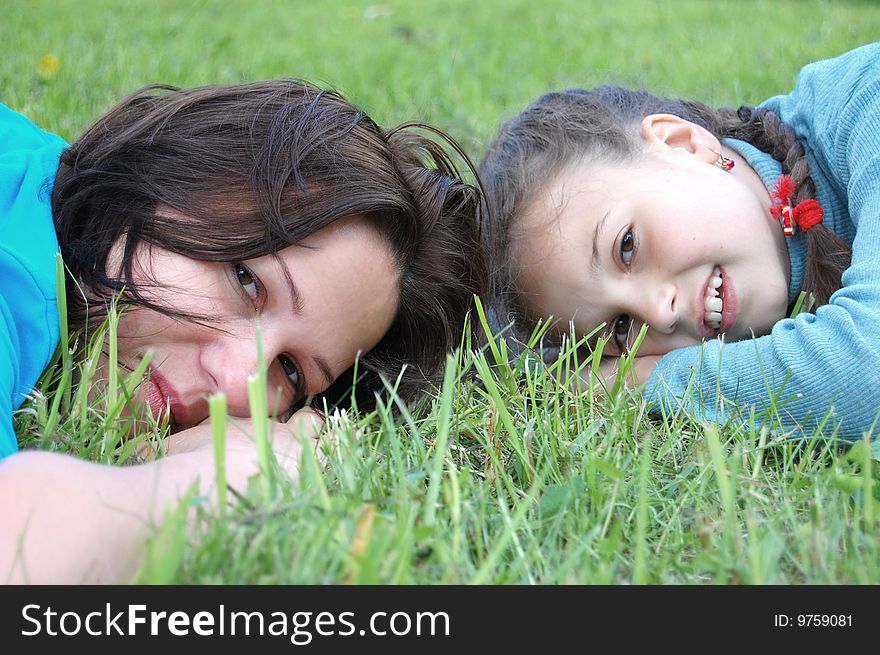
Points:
point(714, 300)
point(719, 304)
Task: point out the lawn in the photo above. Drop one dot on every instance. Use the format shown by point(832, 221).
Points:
point(502, 475)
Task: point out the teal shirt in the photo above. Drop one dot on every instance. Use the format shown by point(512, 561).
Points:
point(28, 309)
point(830, 360)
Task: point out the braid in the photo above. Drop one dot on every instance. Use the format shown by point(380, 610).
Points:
point(827, 254)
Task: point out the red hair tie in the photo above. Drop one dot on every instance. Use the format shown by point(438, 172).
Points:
point(806, 213)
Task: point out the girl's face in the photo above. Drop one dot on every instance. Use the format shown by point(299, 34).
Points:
point(672, 241)
point(318, 306)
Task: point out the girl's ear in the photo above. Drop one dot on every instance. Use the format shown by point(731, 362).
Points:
point(668, 130)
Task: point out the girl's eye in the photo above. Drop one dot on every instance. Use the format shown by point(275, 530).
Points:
point(291, 370)
point(249, 282)
point(622, 327)
point(627, 247)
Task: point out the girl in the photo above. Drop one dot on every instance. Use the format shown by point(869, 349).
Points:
point(205, 211)
point(620, 208)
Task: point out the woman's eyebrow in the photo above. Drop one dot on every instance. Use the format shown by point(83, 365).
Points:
point(595, 264)
point(296, 301)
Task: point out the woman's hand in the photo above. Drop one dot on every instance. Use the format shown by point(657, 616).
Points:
point(287, 439)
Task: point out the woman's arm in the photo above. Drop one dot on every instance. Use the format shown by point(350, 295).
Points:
point(68, 521)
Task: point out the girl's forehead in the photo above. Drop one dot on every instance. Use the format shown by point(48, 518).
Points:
point(581, 194)
point(574, 201)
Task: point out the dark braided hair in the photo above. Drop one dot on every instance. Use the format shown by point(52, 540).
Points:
point(601, 125)
point(827, 254)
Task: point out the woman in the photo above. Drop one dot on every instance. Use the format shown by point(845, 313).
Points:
point(210, 211)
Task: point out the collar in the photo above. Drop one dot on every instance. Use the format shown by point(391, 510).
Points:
point(769, 170)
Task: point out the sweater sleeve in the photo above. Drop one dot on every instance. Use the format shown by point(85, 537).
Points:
point(8, 381)
point(814, 366)
point(29, 327)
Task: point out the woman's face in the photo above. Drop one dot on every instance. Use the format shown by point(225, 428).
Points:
point(673, 241)
point(317, 306)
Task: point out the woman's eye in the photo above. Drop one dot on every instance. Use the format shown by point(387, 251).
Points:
point(627, 247)
point(291, 370)
point(622, 327)
point(248, 282)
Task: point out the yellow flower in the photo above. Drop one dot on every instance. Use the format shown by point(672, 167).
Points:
point(48, 66)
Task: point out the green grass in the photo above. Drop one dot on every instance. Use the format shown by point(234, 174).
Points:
point(502, 475)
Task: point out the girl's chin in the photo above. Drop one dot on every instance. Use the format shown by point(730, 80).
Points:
point(745, 333)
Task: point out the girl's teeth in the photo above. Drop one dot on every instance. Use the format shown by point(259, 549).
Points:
point(714, 304)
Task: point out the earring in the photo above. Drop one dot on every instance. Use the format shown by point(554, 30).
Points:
point(724, 162)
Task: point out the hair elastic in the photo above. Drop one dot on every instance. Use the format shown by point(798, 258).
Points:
point(805, 214)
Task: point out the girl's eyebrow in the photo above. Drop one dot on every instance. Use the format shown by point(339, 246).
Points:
point(595, 263)
point(322, 365)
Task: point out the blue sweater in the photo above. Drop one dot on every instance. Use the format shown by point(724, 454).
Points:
point(28, 308)
point(828, 361)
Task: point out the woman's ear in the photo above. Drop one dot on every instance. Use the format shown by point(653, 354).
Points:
point(668, 130)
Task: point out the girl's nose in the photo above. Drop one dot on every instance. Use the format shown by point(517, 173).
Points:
point(660, 308)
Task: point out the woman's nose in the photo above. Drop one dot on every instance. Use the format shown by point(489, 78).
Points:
point(231, 362)
point(230, 375)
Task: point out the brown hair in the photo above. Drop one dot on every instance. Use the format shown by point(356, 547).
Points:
point(601, 125)
point(254, 168)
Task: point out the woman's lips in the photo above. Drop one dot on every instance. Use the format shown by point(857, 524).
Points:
point(162, 397)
